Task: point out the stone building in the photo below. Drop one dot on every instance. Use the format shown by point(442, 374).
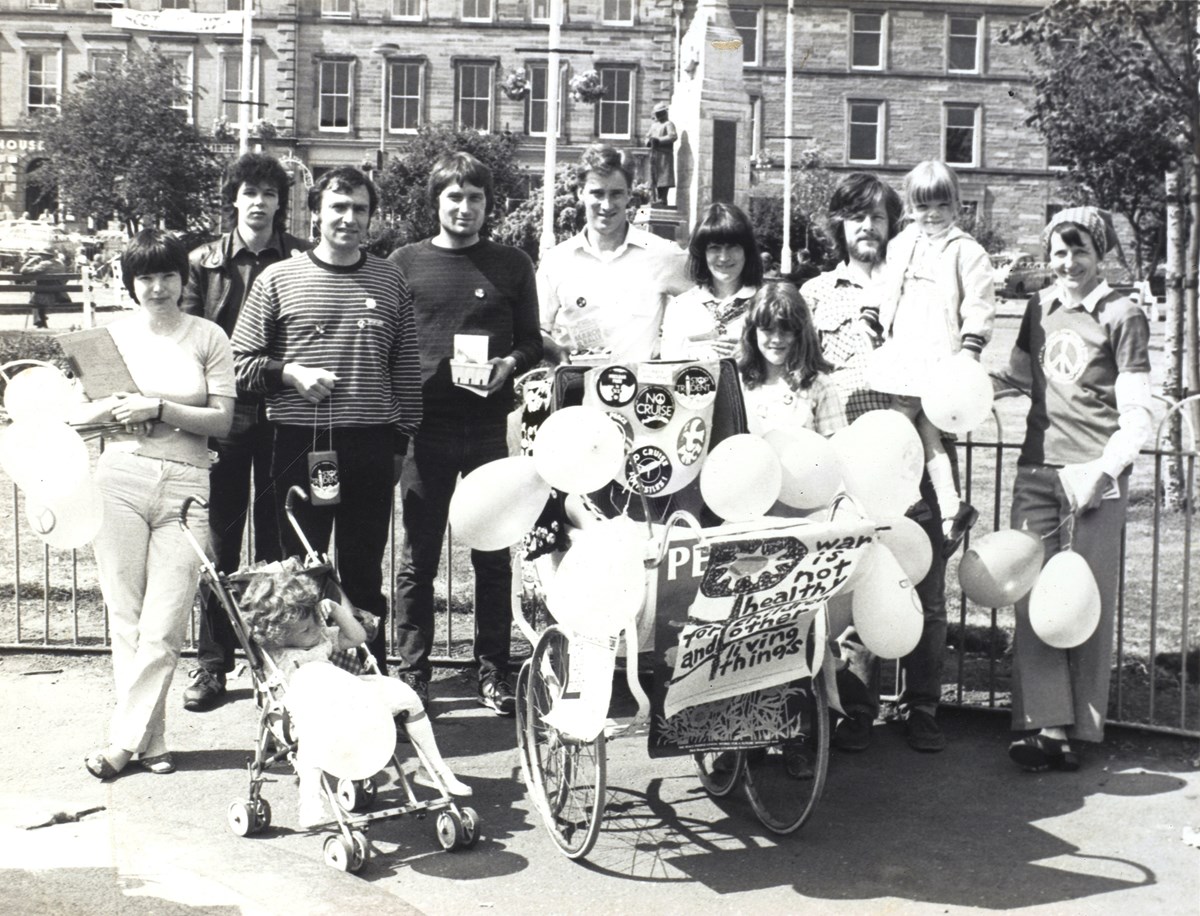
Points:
point(879, 85)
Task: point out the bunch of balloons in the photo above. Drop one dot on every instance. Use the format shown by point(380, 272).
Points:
point(48, 460)
point(1003, 567)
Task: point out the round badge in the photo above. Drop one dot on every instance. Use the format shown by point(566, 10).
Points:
point(616, 386)
point(692, 439)
point(695, 387)
point(625, 426)
point(647, 470)
point(654, 407)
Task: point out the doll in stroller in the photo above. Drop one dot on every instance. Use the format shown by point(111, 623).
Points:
point(298, 629)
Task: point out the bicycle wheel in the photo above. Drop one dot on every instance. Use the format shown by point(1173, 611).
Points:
point(522, 717)
point(784, 800)
point(568, 775)
point(718, 771)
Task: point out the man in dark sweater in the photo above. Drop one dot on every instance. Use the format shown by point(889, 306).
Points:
point(461, 284)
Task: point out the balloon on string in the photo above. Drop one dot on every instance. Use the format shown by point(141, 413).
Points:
point(809, 466)
point(1064, 606)
point(578, 449)
point(887, 611)
point(882, 460)
point(909, 543)
point(44, 458)
point(957, 396)
point(39, 393)
point(741, 478)
point(600, 585)
point(69, 521)
point(342, 723)
point(1000, 568)
point(496, 504)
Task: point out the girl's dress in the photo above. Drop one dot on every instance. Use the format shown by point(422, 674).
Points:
point(777, 405)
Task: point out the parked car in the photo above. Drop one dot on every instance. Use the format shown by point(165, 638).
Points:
point(20, 238)
point(1016, 274)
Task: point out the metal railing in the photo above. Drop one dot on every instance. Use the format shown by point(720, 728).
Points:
point(49, 599)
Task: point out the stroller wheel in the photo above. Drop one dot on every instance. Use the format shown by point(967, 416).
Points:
point(262, 815)
point(450, 830)
point(355, 795)
point(241, 819)
point(470, 825)
point(347, 855)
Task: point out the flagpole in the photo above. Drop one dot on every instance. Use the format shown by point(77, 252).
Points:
point(246, 107)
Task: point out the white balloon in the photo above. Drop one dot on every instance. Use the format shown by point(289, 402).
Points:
point(1064, 606)
point(39, 393)
point(741, 478)
point(496, 504)
point(45, 459)
point(341, 723)
point(909, 543)
point(809, 465)
point(957, 396)
point(69, 521)
point(887, 611)
point(1001, 567)
point(882, 460)
point(578, 449)
point(600, 585)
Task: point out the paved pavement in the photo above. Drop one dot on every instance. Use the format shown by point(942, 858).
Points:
point(896, 832)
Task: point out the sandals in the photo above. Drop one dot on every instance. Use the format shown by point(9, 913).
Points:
point(159, 764)
point(100, 766)
point(1038, 753)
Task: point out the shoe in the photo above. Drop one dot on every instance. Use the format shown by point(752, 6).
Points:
point(1038, 753)
point(797, 761)
point(159, 764)
point(924, 734)
point(312, 812)
point(495, 694)
point(964, 518)
point(100, 766)
point(205, 691)
point(853, 733)
point(419, 685)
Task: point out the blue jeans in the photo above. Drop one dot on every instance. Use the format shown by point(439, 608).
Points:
point(858, 682)
point(245, 452)
point(147, 573)
point(440, 453)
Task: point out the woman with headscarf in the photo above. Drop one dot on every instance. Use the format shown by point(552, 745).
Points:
point(1082, 354)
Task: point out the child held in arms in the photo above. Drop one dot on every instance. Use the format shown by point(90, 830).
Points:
point(290, 619)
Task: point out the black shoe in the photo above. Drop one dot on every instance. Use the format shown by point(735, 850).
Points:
point(798, 760)
point(420, 686)
point(495, 694)
point(853, 733)
point(1037, 753)
point(964, 518)
point(205, 691)
point(924, 734)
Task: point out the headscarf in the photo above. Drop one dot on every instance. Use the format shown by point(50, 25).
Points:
point(1096, 222)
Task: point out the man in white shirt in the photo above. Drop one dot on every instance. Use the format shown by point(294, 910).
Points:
point(604, 290)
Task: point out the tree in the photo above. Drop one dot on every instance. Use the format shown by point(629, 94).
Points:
point(405, 210)
point(812, 186)
point(117, 148)
point(1118, 101)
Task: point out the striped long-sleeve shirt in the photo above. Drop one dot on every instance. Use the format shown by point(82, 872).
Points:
point(355, 321)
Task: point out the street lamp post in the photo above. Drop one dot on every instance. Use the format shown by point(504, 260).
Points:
point(386, 51)
point(552, 102)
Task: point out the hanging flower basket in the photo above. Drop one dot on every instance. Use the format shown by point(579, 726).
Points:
point(587, 87)
point(515, 84)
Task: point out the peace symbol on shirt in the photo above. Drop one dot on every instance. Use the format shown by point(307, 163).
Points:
point(1065, 356)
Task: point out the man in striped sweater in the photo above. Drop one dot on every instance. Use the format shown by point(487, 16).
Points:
point(331, 341)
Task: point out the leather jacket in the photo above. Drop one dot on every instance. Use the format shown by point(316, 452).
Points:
point(206, 293)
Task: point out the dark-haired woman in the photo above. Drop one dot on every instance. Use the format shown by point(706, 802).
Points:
point(183, 367)
point(706, 321)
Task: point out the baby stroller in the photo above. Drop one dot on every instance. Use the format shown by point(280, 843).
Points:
point(276, 743)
